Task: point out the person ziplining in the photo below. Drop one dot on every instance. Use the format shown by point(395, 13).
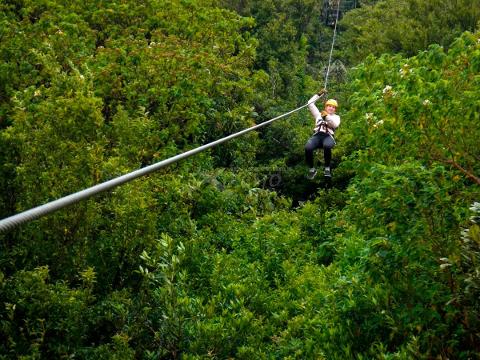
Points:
point(326, 122)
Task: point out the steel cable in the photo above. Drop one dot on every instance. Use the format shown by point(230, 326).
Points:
point(42, 210)
point(331, 48)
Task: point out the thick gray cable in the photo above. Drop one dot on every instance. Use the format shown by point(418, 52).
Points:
point(35, 213)
point(331, 48)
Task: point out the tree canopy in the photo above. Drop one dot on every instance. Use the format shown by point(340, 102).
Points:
point(233, 253)
point(405, 26)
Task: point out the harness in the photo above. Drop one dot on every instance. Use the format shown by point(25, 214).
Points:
point(323, 126)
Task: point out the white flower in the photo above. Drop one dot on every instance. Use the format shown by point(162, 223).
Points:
point(475, 206)
point(369, 116)
point(388, 92)
point(426, 102)
point(404, 70)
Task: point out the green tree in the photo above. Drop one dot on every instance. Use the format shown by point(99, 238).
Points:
point(409, 104)
point(405, 26)
point(93, 92)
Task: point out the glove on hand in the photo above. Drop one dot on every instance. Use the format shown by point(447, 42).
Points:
point(322, 92)
point(324, 113)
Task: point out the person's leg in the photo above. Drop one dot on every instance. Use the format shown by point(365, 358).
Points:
point(313, 143)
point(328, 144)
point(327, 156)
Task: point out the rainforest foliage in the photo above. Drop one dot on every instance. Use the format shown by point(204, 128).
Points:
point(405, 26)
point(232, 253)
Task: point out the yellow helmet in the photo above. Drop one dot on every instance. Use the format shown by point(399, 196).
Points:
point(332, 102)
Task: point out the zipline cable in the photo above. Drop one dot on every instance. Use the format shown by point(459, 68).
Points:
point(331, 48)
point(35, 213)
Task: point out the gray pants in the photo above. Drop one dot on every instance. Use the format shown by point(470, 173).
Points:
point(317, 141)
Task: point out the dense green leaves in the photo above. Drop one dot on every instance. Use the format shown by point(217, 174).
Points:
point(405, 26)
point(424, 106)
point(204, 259)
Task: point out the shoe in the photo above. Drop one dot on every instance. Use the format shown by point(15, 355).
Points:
point(327, 172)
point(311, 173)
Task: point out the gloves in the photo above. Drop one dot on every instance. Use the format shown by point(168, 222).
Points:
point(324, 116)
point(322, 92)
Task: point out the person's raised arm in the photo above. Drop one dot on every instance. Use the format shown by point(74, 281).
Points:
point(313, 108)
